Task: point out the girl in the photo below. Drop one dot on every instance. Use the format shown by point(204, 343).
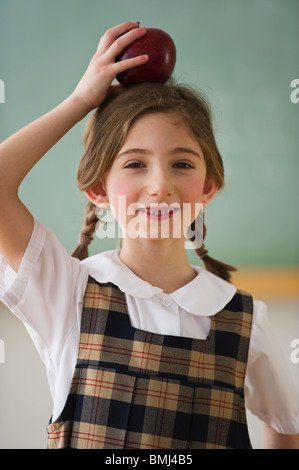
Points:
point(142, 349)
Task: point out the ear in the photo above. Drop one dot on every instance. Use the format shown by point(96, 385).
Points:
point(210, 189)
point(97, 194)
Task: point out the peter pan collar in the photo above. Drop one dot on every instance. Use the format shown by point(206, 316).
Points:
point(205, 295)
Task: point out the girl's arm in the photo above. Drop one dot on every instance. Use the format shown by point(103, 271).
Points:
point(20, 152)
point(275, 440)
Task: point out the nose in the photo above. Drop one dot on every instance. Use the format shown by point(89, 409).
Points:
point(160, 183)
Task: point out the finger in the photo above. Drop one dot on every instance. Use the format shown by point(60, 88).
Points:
point(113, 33)
point(123, 41)
point(123, 65)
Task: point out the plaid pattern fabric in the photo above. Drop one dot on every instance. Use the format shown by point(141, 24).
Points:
point(139, 390)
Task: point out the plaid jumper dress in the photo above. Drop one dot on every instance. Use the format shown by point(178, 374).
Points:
point(134, 389)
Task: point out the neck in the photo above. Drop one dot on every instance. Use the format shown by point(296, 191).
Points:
point(164, 265)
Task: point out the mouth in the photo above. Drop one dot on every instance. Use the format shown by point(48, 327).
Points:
point(158, 214)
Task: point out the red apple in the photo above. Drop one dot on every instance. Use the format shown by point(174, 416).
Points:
point(160, 48)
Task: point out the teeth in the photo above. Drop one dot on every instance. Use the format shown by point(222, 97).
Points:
point(157, 212)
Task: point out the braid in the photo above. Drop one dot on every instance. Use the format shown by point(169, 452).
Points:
point(89, 227)
point(214, 266)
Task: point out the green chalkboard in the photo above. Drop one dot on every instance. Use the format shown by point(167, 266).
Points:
point(242, 54)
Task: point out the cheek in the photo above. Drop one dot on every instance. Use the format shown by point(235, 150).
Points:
point(121, 193)
point(193, 191)
point(117, 185)
point(193, 195)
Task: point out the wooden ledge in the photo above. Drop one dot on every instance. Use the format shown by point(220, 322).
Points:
point(274, 282)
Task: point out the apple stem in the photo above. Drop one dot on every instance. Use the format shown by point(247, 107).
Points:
point(138, 22)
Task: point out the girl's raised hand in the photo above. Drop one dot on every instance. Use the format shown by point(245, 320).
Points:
point(102, 69)
point(20, 152)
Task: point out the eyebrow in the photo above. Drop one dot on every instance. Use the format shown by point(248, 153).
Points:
point(175, 151)
point(131, 151)
point(179, 150)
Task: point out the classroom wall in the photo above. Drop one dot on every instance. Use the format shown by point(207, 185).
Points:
point(243, 56)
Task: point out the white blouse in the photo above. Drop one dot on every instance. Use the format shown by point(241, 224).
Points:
point(47, 295)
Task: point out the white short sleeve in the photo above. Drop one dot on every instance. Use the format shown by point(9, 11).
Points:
point(46, 294)
point(270, 392)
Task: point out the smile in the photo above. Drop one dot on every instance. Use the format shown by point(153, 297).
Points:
point(158, 214)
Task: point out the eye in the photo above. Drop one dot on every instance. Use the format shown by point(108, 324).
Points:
point(183, 165)
point(135, 165)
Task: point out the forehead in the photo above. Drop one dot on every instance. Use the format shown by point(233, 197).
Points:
point(161, 132)
point(160, 123)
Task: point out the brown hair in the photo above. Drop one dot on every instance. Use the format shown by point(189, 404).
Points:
point(108, 128)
